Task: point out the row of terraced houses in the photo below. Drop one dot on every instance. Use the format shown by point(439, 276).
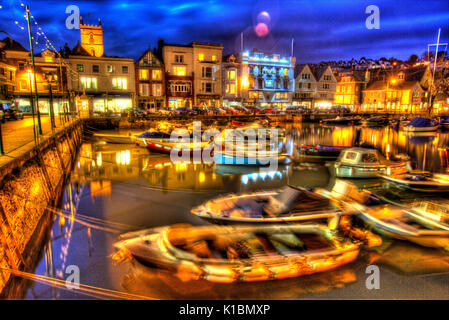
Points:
point(85, 79)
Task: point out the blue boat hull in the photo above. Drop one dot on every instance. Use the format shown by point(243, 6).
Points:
point(227, 159)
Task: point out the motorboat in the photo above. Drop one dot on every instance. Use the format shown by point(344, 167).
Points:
point(375, 121)
point(319, 152)
point(229, 254)
point(288, 205)
point(417, 223)
point(368, 163)
point(421, 124)
point(420, 181)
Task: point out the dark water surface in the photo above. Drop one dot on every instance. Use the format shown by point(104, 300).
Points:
point(115, 188)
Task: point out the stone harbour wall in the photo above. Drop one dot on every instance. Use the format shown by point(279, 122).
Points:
point(31, 187)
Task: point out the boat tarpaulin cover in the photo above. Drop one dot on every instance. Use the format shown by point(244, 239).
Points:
point(422, 122)
point(149, 135)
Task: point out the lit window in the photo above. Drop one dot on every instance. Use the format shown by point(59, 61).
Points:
point(110, 68)
point(119, 83)
point(214, 58)
point(179, 71)
point(143, 89)
point(143, 74)
point(201, 56)
point(89, 83)
point(232, 89)
point(157, 89)
point(156, 74)
point(231, 75)
point(80, 67)
point(48, 59)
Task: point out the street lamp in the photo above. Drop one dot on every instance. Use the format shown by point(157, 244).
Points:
point(50, 78)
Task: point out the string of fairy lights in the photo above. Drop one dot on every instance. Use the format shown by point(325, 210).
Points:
point(38, 36)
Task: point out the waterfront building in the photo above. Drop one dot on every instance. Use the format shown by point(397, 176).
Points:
point(305, 86)
point(401, 90)
point(103, 84)
point(150, 81)
point(267, 80)
point(50, 70)
point(231, 90)
point(350, 86)
point(314, 86)
point(7, 79)
point(193, 74)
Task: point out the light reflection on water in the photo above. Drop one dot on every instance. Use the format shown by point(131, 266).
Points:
point(134, 189)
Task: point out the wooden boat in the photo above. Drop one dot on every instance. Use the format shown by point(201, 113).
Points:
point(367, 163)
point(375, 121)
point(289, 205)
point(154, 135)
point(339, 120)
point(169, 146)
point(320, 152)
point(228, 254)
point(250, 146)
point(421, 181)
point(412, 224)
point(114, 138)
point(421, 124)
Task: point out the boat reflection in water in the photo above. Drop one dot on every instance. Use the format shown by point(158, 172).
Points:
point(127, 185)
point(161, 284)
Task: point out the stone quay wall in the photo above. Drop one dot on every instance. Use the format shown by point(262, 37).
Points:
point(31, 187)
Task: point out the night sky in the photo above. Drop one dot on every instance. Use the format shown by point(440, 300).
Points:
point(322, 30)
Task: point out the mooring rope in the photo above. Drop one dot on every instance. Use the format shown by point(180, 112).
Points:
point(88, 290)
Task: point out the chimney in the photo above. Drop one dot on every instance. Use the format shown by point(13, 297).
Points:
point(99, 22)
point(81, 20)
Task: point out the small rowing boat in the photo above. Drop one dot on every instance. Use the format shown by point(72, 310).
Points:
point(169, 146)
point(114, 138)
point(154, 135)
point(228, 254)
point(289, 205)
point(415, 224)
point(421, 181)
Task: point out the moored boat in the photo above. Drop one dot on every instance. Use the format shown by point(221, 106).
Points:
point(444, 122)
point(114, 138)
point(154, 135)
point(240, 254)
point(169, 146)
point(375, 121)
point(421, 124)
point(289, 205)
point(420, 181)
point(367, 163)
point(339, 120)
point(409, 224)
point(319, 152)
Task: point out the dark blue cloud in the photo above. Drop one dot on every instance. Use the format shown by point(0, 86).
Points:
point(322, 30)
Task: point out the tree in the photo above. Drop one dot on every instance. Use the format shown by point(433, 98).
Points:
point(413, 59)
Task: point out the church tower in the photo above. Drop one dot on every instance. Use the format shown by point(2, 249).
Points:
point(92, 38)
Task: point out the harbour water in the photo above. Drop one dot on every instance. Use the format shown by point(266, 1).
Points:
point(116, 188)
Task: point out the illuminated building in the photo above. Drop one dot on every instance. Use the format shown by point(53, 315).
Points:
point(193, 74)
point(231, 85)
point(350, 86)
point(315, 86)
point(20, 79)
point(107, 82)
point(267, 80)
point(150, 81)
point(397, 91)
point(7, 79)
point(92, 38)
